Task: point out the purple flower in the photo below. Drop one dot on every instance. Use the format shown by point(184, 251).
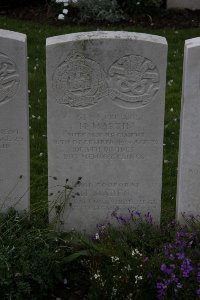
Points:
point(181, 234)
point(184, 240)
point(148, 218)
point(186, 268)
point(167, 270)
point(173, 266)
point(198, 291)
point(161, 294)
point(180, 256)
point(135, 213)
point(198, 276)
point(172, 224)
point(161, 287)
point(167, 247)
point(171, 257)
point(163, 267)
point(99, 226)
point(120, 219)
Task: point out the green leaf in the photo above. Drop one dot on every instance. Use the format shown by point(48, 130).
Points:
point(75, 256)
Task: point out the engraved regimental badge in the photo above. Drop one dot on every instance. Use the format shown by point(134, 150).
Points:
point(9, 78)
point(133, 81)
point(79, 82)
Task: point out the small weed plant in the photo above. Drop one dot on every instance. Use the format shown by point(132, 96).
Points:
point(29, 256)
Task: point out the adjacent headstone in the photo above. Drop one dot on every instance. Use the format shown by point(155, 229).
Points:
point(14, 127)
point(181, 4)
point(188, 187)
point(106, 98)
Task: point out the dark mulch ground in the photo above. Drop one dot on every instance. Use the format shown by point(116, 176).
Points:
point(165, 18)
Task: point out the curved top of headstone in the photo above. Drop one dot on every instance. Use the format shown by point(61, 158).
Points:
point(13, 35)
point(192, 42)
point(105, 35)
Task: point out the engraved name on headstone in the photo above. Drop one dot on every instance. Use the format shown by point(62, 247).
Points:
point(14, 127)
point(188, 187)
point(106, 93)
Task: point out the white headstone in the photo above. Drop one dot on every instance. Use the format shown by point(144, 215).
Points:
point(181, 4)
point(106, 98)
point(14, 127)
point(188, 188)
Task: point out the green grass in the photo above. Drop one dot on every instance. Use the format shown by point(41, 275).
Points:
point(37, 34)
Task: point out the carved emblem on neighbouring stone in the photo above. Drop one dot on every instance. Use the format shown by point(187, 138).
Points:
point(133, 80)
point(79, 82)
point(9, 78)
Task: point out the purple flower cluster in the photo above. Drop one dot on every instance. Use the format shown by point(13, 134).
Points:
point(134, 214)
point(171, 281)
point(198, 273)
point(148, 218)
point(165, 284)
point(184, 240)
point(120, 219)
point(182, 268)
point(186, 268)
point(167, 270)
point(171, 225)
point(198, 292)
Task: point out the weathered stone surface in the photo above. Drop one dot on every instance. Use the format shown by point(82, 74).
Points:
point(190, 4)
point(14, 127)
point(188, 187)
point(106, 93)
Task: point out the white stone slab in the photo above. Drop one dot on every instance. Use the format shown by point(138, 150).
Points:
point(14, 127)
point(188, 187)
point(190, 4)
point(106, 93)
